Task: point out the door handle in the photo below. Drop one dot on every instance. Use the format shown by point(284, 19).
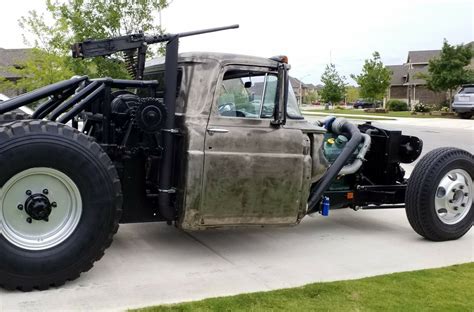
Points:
point(211, 131)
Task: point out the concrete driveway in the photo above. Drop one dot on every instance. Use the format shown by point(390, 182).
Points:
point(151, 264)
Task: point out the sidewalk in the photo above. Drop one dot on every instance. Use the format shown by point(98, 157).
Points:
point(312, 113)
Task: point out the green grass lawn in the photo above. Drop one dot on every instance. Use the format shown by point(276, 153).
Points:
point(445, 289)
point(362, 112)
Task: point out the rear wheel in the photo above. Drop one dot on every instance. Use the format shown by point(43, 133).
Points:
point(440, 192)
point(60, 203)
point(467, 115)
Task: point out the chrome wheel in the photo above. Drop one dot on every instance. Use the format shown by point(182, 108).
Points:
point(39, 208)
point(453, 198)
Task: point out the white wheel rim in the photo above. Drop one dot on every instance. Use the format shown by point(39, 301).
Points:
point(17, 224)
point(453, 198)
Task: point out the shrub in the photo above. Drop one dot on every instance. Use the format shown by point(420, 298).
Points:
point(397, 106)
point(421, 108)
point(443, 104)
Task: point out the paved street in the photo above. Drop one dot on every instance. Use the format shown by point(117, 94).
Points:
point(155, 263)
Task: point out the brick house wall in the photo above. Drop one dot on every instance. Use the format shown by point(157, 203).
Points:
point(398, 92)
point(426, 96)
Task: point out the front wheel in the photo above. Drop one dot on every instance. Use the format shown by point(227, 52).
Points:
point(60, 203)
point(440, 192)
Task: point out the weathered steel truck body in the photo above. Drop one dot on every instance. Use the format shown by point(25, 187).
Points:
point(238, 170)
point(198, 140)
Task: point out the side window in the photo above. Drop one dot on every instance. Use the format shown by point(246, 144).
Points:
point(247, 94)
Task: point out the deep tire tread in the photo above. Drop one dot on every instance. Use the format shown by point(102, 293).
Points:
point(12, 117)
point(24, 127)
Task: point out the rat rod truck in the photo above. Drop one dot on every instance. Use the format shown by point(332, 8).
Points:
point(199, 140)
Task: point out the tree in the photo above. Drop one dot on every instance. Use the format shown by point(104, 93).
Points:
point(449, 71)
point(334, 86)
point(77, 20)
point(374, 79)
point(352, 94)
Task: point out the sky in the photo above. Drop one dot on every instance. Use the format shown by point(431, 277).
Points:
point(311, 33)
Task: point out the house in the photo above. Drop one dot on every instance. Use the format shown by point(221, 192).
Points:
point(406, 84)
point(301, 89)
point(11, 58)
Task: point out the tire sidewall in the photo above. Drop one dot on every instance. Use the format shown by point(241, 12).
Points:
point(96, 187)
point(456, 230)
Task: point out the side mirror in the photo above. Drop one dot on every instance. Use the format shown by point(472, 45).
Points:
point(279, 113)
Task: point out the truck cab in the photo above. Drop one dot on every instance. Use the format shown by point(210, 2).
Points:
point(241, 168)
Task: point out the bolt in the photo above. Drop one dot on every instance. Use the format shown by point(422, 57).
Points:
point(54, 205)
point(45, 191)
point(20, 207)
point(455, 207)
point(29, 220)
point(466, 194)
point(463, 205)
point(461, 187)
point(28, 192)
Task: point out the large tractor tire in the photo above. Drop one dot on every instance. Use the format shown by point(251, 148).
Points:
point(11, 117)
point(60, 204)
point(440, 192)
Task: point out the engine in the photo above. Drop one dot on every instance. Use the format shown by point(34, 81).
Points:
point(137, 120)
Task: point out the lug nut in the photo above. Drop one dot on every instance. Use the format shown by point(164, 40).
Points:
point(463, 205)
point(28, 192)
point(461, 187)
point(45, 191)
point(54, 205)
point(451, 201)
point(453, 190)
point(466, 194)
point(29, 220)
point(20, 207)
point(455, 207)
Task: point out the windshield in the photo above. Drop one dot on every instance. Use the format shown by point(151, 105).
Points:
point(292, 110)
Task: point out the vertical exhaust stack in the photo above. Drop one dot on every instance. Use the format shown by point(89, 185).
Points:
point(165, 206)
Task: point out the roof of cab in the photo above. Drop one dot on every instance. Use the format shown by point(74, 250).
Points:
point(224, 58)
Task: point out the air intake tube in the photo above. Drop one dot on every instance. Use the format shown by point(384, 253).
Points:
point(338, 125)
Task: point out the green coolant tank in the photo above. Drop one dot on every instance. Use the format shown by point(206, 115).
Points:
point(333, 147)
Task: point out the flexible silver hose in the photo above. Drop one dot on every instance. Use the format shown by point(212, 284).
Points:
point(357, 163)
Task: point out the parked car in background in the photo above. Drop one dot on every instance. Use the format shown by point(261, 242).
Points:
point(363, 104)
point(463, 103)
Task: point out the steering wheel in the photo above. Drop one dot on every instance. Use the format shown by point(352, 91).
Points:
point(226, 107)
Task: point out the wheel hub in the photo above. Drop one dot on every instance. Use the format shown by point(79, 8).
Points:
point(454, 195)
point(38, 207)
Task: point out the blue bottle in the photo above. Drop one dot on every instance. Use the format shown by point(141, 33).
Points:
point(325, 207)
